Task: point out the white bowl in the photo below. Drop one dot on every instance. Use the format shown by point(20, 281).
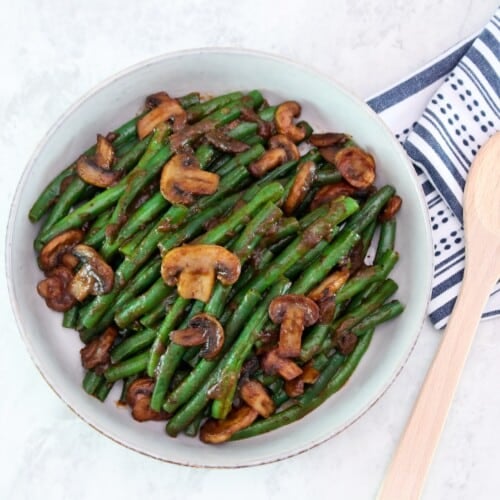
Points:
point(327, 106)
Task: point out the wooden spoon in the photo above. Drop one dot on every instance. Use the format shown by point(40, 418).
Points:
point(406, 474)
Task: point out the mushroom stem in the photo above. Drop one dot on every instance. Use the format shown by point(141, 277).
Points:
point(291, 331)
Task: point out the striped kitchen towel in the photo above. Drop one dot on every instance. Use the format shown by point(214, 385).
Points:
point(442, 115)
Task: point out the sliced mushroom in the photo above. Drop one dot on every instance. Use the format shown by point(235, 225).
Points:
point(391, 208)
point(104, 152)
point(283, 118)
point(138, 398)
point(330, 192)
point(95, 276)
point(54, 289)
point(225, 143)
point(294, 313)
point(272, 363)
point(356, 166)
point(69, 260)
point(167, 111)
point(154, 100)
point(295, 387)
point(219, 431)
point(304, 179)
point(194, 269)
point(283, 142)
point(330, 285)
point(93, 174)
point(324, 294)
point(328, 139)
point(265, 129)
point(202, 329)
point(268, 161)
point(328, 152)
point(95, 355)
point(346, 343)
point(309, 374)
point(255, 395)
point(51, 254)
point(182, 179)
point(181, 139)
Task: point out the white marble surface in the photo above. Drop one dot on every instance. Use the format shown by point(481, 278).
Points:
point(51, 52)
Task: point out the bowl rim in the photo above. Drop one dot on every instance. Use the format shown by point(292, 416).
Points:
point(144, 64)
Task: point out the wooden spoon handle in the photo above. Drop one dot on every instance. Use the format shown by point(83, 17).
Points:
point(406, 474)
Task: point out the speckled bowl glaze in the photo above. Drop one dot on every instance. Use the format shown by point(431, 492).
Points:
point(327, 106)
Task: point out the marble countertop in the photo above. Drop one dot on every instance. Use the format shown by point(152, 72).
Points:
point(53, 51)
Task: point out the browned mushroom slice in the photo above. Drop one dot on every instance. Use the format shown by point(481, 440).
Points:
point(264, 129)
point(294, 313)
point(97, 176)
point(346, 343)
point(154, 100)
point(328, 139)
point(330, 285)
point(219, 431)
point(95, 276)
point(54, 289)
point(295, 387)
point(300, 187)
point(283, 142)
point(104, 152)
point(182, 179)
point(95, 355)
point(138, 398)
point(194, 269)
point(167, 111)
point(225, 143)
point(255, 395)
point(391, 208)
point(69, 260)
point(283, 118)
point(202, 329)
point(51, 254)
point(273, 363)
point(324, 294)
point(330, 192)
point(356, 166)
point(268, 161)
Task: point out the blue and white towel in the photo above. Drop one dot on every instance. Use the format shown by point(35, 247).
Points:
point(442, 115)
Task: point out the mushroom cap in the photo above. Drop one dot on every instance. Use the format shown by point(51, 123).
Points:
point(105, 153)
point(200, 259)
point(283, 118)
point(91, 173)
point(271, 159)
point(139, 397)
point(280, 305)
point(329, 192)
point(202, 329)
point(300, 187)
point(100, 275)
point(255, 395)
point(328, 139)
point(283, 142)
point(182, 178)
point(356, 166)
point(168, 110)
point(53, 251)
point(218, 431)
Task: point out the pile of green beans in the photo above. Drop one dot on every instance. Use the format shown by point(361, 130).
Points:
point(279, 254)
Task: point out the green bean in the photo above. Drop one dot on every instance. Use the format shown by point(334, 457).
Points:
point(132, 345)
point(124, 369)
point(228, 374)
point(387, 238)
point(170, 360)
point(70, 317)
point(91, 381)
point(191, 386)
point(329, 382)
point(384, 313)
point(103, 390)
point(327, 176)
